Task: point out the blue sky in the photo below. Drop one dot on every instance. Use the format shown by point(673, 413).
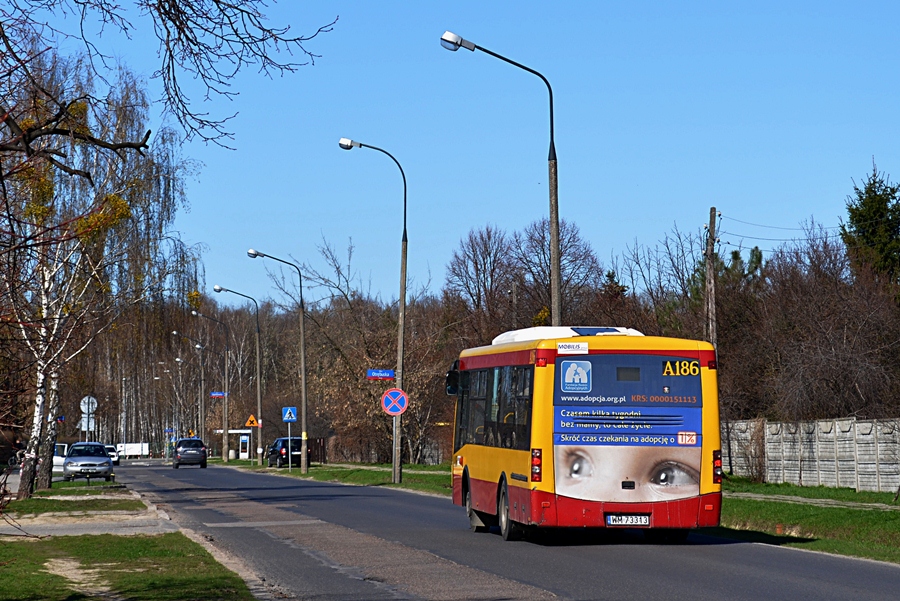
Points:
point(766, 110)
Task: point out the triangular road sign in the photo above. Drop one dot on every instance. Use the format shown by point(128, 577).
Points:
point(251, 422)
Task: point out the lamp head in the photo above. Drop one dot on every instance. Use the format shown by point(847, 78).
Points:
point(198, 347)
point(347, 143)
point(194, 313)
point(217, 288)
point(453, 42)
point(254, 253)
point(174, 332)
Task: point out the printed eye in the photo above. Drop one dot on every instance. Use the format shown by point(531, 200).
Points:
point(579, 466)
point(671, 473)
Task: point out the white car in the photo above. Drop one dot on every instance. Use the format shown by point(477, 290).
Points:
point(113, 453)
point(59, 455)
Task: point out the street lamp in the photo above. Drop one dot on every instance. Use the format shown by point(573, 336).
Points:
point(348, 144)
point(259, 421)
point(453, 42)
point(201, 404)
point(304, 460)
point(225, 400)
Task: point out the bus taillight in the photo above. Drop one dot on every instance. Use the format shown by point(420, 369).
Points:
point(535, 465)
point(717, 467)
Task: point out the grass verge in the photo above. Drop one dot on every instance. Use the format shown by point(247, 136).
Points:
point(152, 568)
point(40, 505)
point(738, 484)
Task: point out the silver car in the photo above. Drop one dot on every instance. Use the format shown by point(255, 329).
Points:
point(87, 460)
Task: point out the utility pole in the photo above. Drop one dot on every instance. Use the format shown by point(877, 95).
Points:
point(711, 311)
point(711, 278)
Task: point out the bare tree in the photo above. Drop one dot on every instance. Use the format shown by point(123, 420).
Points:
point(94, 247)
point(581, 271)
point(209, 41)
point(481, 274)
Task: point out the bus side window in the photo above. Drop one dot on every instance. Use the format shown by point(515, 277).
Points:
point(462, 411)
point(523, 404)
point(476, 404)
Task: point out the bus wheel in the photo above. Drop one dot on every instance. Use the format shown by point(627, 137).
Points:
point(476, 524)
point(509, 529)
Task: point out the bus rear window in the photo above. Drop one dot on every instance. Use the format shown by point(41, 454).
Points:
point(628, 374)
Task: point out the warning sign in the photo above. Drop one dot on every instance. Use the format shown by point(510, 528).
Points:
point(251, 422)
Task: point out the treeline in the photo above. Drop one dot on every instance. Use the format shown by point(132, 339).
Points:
point(808, 332)
point(99, 298)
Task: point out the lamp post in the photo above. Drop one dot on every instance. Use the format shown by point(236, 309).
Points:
point(259, 420)
point(124, 419)
point(201, 402)
point(397, 472)
point(453, 42)
point(304, 460)
point(225, 400)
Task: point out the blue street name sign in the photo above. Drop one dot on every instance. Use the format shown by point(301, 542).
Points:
point(380, 374)
point(394, 402)
point(217, 395)
point(288, 414)
point(168, 430)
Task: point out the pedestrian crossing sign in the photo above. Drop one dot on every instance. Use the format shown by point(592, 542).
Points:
point(288, 414)
point(251, 422)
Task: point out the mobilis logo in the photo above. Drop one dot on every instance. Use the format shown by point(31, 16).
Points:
point(572, 348)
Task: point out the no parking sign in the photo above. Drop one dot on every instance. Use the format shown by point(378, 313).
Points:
point(394, 402)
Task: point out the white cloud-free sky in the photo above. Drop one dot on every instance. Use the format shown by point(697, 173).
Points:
point(766, 110)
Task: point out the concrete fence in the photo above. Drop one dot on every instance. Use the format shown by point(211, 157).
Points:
point(848, 453)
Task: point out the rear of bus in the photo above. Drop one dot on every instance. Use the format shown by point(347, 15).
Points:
point(624, 432)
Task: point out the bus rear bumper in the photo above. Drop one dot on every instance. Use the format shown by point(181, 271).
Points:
point(557, 511)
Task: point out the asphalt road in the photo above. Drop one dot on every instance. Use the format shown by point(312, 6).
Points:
point(314, 540)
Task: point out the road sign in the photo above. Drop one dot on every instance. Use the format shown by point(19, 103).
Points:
point(217, 395)
point(380, 374)
point(88, 404)
point(252, 423)
point(288, 414)
point(394, 401)
point(169, 430)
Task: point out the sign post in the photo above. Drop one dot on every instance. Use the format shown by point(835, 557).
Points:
point(289, 415)
point(252, 423)
point(394, 402)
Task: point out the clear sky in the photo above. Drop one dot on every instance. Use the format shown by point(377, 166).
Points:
point(766, 110)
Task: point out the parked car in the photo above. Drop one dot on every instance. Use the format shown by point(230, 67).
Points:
point(59, 456)
point(87, 460)
point(113, 453)
point(189, 451)
point(278, 452)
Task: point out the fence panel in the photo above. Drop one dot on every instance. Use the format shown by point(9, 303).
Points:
point(864, 454)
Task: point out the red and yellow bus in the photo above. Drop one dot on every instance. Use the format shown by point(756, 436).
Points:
point(587, 427)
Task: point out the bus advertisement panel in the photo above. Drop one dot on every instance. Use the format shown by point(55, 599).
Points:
point(627, 427)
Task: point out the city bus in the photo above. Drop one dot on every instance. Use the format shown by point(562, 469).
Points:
point(587, 427)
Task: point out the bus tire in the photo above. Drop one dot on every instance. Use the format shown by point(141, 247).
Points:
point(476, 524)
point(509, 529)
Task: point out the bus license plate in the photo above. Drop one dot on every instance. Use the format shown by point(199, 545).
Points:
point(627, 520)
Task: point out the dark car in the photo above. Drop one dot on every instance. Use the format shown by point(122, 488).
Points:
point(87, 460)
point(189, 451)
point(278, 452)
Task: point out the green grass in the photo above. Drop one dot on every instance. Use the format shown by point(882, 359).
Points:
point(437, 482)
point(151, 568)
point(40, 505)
point(874, 534)
point(738, 484)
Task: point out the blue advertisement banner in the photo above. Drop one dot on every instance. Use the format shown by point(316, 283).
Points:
point(632, 426)
point(628, 380)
